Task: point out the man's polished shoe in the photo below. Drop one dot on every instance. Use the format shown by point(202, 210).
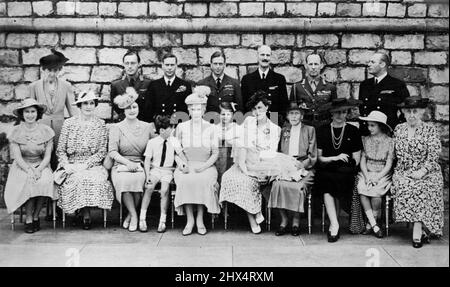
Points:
point(282, 230)
point(295, 231)
point(29, 227)
point(379, 233)
point(87, 224)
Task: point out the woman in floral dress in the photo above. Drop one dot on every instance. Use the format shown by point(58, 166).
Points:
point(417, 180)
point(81, 150)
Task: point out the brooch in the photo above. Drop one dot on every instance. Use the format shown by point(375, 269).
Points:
point(181, 89)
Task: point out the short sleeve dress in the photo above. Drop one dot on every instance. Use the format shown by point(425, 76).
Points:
point(131, 145)
point(19, 187)
point(84, 142)
point(197, 187)
point(337, 178)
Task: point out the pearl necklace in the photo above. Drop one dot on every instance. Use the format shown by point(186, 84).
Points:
point(337, 141)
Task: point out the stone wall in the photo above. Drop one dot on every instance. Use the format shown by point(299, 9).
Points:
point(95, 35)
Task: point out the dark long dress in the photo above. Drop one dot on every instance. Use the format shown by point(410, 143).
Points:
point(337, 178)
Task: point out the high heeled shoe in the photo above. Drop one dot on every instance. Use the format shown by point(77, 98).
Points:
point(201, 230)
point(333, 238)
point(143, 225)
point(133, 225)
point(379, 233)
point(126, 223)
point(417, 243)
point(187, 230)
point(256, 229)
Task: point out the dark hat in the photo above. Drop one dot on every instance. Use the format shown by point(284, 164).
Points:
point(53, 61)
point(295, 106)
point(414, 102)
point(339, 104)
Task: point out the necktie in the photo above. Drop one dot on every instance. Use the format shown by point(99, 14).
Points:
point(376, 81)
point(313, 85)
point(263, 76)
point(218, 84)
point(163, 155)
point(132, 82)
point(168, 83)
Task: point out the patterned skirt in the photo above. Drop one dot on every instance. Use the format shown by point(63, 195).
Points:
point(87, 188)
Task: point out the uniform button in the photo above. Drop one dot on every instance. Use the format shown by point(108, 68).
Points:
point(162, 105)
point(174, 110)
point(220, 99)
point(365, 107)
point(174, 105)
point(378, 107)
point(379, 99)
point(163, 110)
point(366, 99)
point(269, 95)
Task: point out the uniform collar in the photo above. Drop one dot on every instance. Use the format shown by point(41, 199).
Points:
point(171, 80)
point(215, 77)
point(261, 72)
point(381, 77)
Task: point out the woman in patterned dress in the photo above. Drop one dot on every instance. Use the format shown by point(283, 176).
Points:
point(339, 150)
point(196, 180)
point(30, 178)
point(127, 142)
point(81, 150)
point(240, 184)
point(417, 180)
point(375, 177)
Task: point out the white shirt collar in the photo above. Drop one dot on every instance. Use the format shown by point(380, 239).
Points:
point(261, 73)
point(221, 77)
point(381, 77)
point(171, 80)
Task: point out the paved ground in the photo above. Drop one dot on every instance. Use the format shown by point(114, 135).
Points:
point(237, 246)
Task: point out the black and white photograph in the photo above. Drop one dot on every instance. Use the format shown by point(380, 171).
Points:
point(221, 134)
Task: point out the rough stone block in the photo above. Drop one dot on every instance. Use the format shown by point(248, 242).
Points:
point(107, 8)
point(6, 92)
point(32, 56)
point(274, 9)
point(153, 73)
point(241, 56)
point(166, 39)
point(251, 9)
point(326, 9)
point(133, 9)
point(136, 39)
point(359, 57)
point(330, 74)
point(48, 39)
point(438, 10)
point(2, 39)
point(65, 8)
point(21, 92)
point(413, 90)
point(76, 73)
point(438, 94)
point(204, 55)
point(349, 74)
point(251, 40)
point(10, 74)
point(321, 40)
point(396, 10)
point(333, 57)
point(292, 74)
point(411, 41)
point(439, 76)
point(374, 9)
point(194, 39)
point(2, 8)
point(437, 42)
point(196, 74)
point(7, 108)
point(232, 71)
point(105, 92)
point(88, 39)
point(148, 57)
point(80, 55)
point(161, 9)
point(401, 58)
point(361, 41)
point(302, 9)
point(22, 40)
point(348, 9)
point(77, 88)
point(355, 91)
point(9, 57)
point(185, 56)
point(103, 111)
point(225, 9)
point(67, 38)
point(441, 112)
point(282, 56)
point(31, 74)
point(280, 40)
point(409, 74)
point(87, 8)
point(105, 74)
point(223, 39)
point(19, 9)
point(343, 90)
point(112, 39)
point(417, 10)
point(196, 9)
point(430, 58)
point(42, 8)
point(111, 55)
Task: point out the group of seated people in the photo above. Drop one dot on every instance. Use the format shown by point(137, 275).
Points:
point(229, 162)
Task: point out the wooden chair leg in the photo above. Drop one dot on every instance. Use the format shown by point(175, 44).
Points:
point(212, 220)
point(12, 221)
point(387, 215)
point(63, 219)
point(120, 213)
point(173, 210)
point(105, 217)
point(269, 217)
point(225, 215)
point(54, 213)
point(323, 217)
point(309, 213)
point(47, 207)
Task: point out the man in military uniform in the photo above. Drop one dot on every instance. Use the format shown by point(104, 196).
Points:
point(132, 78)
point(223, 87)
point(265, 79)
point(314, 91)
point(166, 95)
point(382, 92)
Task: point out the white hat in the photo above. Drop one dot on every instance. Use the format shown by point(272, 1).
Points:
point(376, 116)
point(198, 96)
point(127, 99)
point(86, 96)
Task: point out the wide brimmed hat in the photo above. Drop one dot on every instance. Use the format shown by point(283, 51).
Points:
point(377, 116)
point(86, 96)
point(199, 96)
point(415, 102)
point(29, 102)
point(294, 106)
point(127, 99)
point(339, 104)
point(53, 61)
